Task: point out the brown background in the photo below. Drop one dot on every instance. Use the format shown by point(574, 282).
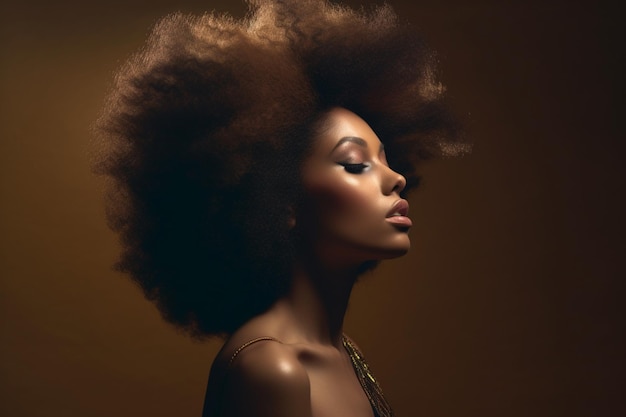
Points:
point(508, 305)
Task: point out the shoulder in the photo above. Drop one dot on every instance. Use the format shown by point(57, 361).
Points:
point(267, 379)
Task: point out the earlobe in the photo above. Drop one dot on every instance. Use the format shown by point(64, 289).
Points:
point(291, 218)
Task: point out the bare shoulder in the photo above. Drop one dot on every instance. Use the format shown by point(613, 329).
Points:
point(267, 379)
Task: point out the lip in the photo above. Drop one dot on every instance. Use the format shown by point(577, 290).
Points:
point(398, 215)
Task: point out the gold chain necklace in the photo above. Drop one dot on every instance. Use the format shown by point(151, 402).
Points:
point(368, 382)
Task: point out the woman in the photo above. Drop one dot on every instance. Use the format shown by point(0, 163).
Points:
point(250, 164)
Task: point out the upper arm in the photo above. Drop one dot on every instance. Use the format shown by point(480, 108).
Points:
point(267, 380)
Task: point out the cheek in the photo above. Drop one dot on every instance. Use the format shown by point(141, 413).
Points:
point(342, 202)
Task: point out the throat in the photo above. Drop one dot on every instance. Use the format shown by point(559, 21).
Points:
point(318, 300)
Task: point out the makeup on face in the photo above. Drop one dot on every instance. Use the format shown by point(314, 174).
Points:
point(352, 195)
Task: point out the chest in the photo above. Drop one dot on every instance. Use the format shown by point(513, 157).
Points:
point(336, 390)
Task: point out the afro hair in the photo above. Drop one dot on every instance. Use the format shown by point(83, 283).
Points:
point(204, 133)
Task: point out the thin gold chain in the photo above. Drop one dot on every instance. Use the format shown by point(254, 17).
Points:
point(372, 390)
point(248, 343)
point(369, 384)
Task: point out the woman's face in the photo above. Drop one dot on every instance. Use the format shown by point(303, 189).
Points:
point(352, 211)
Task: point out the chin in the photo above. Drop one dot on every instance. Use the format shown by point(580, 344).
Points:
point(400, 246)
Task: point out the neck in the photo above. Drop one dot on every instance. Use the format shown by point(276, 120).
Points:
point(317, 301)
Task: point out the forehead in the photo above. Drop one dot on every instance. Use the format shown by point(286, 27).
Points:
point(340, 123)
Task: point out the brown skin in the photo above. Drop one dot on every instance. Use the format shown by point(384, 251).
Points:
point(343, 223)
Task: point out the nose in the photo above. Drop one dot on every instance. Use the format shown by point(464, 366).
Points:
point(393, 182)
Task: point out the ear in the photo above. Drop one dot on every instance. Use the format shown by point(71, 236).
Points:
point(291, 219)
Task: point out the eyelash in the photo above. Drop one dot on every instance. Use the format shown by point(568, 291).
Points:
point(355, 168)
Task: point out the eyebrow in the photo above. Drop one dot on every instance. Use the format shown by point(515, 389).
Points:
point(357, 140)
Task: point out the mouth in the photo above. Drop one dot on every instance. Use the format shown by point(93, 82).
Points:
point(398, 215)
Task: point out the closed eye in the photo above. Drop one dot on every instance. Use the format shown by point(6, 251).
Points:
point(355, 168)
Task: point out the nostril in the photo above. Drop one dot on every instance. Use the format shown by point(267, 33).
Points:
point(400, 184)
point(394, 182)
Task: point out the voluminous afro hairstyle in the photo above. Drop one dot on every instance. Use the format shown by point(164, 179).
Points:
point(204, 133)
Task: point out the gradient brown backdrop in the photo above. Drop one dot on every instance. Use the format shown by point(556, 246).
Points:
point(508, 305)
